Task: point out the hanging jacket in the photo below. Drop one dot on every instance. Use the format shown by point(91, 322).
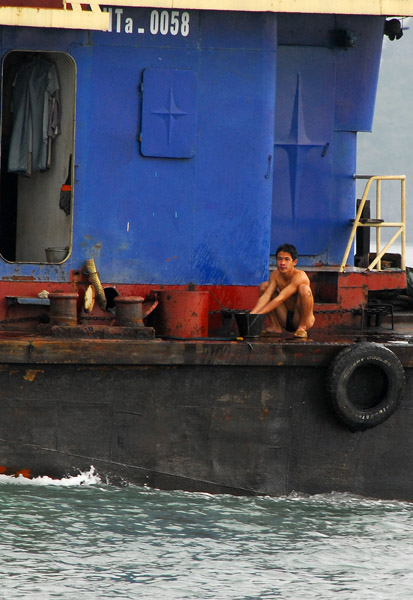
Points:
point(36, 116)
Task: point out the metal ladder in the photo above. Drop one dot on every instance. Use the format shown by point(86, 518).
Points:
point(378, 222)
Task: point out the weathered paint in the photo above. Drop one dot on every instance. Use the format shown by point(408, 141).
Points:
point(25, 13)
point(261, 432)
point(206, 219)
point(363, 7)
point(338, 299)
point(31, 374)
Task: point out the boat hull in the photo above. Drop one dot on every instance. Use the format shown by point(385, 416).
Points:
point(223, 417)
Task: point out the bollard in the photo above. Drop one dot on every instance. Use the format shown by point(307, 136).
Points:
point(129, 311)
point(63, 308)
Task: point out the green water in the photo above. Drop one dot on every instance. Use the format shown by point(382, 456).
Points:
point(79, 538)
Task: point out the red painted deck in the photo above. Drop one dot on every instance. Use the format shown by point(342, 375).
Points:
point(339, 298)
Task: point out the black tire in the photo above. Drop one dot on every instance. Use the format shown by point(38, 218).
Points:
point(365, 385)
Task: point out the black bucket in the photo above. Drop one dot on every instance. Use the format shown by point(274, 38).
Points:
point(249, 325)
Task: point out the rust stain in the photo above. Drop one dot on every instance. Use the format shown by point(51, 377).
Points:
point(32, 373)
point(264, 413)
point(19, 278)
point(24, 472)
point(171, 258)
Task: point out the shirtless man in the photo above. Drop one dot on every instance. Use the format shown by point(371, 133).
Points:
point(287, 296)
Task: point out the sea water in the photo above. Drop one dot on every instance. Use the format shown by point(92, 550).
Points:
point(79, 538)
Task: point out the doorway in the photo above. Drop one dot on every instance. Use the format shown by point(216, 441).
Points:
point(37, 149)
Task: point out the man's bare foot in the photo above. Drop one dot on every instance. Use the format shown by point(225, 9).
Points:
point(271, 331)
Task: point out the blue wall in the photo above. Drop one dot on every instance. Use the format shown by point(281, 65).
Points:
point(204, 218)
point(325, 94)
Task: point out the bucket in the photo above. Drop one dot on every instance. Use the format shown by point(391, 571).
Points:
point(183, 314)
point(56, 255)
point(249, 325)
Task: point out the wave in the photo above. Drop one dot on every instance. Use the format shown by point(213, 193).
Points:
point(87, 478)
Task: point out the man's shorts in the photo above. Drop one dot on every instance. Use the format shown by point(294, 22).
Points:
point(289, 324)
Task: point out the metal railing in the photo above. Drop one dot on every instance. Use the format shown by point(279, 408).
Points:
point(377, 222)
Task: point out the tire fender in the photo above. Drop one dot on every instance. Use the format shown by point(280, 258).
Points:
point(365, 384)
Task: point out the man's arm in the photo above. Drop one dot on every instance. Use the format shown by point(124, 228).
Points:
point(266, 296)
point(288, 291)
point(268, 305)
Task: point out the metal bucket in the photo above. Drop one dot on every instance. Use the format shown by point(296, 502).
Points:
point(56, 255)
point(249, 325)
point(183, 314)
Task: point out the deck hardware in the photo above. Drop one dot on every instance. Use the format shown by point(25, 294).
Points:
point(378, 311)
point(63, 308)
point(393, 29)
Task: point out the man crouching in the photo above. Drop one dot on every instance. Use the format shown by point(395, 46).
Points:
point(287, 296)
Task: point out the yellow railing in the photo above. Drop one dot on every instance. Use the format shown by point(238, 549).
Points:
point(378, 223)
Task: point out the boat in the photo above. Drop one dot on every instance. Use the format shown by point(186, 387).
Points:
point(154, 155)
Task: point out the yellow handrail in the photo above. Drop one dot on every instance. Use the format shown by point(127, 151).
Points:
point(401, 227)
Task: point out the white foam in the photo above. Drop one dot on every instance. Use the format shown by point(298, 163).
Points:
point(85, 479)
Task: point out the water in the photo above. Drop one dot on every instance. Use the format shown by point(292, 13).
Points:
point(79, 538)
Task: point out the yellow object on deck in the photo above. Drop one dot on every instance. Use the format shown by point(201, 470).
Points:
point(95, 281)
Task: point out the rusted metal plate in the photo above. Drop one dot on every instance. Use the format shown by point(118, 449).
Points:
point(142, 352)
point(254, 430)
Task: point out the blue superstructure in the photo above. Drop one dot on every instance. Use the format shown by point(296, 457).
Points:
point(204, 139)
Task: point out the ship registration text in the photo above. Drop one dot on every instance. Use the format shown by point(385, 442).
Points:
point(161, 22)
